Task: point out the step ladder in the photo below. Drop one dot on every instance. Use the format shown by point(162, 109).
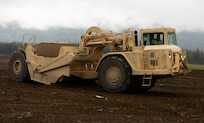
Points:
point(147, 80)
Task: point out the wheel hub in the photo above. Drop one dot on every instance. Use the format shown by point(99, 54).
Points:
point(17, 66)
point(113, 75)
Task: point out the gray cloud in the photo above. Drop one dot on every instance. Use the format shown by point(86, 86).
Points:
point(111, 14)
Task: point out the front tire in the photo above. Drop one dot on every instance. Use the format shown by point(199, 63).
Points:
point(114, 74)
point(17, 67)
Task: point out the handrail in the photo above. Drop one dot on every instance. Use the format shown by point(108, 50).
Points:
point(32, 37)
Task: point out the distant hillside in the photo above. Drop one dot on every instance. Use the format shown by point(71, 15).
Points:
point(12, 33)
point(191, 40)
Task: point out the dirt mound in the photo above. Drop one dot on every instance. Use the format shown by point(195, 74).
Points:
point(197, 73)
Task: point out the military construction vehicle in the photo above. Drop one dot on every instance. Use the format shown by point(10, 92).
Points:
point(117, 61)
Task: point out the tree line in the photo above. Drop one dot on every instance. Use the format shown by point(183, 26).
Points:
point(194, 56)
point(8, 48)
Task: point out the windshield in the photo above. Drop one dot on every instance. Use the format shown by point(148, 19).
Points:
point(172, 38)
point(153, 38)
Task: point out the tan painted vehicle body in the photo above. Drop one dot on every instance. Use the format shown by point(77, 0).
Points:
point(118, 60)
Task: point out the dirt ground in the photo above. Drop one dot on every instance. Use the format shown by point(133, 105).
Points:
point(172, 100)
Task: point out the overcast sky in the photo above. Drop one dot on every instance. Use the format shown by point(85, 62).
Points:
point(110, 14)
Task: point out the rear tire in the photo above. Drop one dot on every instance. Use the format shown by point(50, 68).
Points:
point(114, 74)
point(17, 67)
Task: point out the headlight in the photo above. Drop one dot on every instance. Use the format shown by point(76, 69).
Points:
point(170, 54)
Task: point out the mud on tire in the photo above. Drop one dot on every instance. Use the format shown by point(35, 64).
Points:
point(114, 74)
point(17, 67)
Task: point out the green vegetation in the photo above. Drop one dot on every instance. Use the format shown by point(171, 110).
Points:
point(8, 48)
point(196, 67)
point(195, 56)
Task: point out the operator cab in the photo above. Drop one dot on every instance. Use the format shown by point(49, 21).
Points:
point(158, 36)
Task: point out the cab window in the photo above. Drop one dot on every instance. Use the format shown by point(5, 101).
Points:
point(153, 38)
point(172, 38)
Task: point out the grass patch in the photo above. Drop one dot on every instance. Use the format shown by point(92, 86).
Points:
point(196, 67)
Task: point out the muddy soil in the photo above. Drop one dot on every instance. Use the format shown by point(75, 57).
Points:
point(177, 99)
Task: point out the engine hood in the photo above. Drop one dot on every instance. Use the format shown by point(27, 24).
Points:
point(174, 48)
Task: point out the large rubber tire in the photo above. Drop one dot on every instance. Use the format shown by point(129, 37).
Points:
point(17, 67)
point(114, 74)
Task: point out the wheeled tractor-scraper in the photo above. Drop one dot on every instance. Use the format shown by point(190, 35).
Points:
point(118, 61)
